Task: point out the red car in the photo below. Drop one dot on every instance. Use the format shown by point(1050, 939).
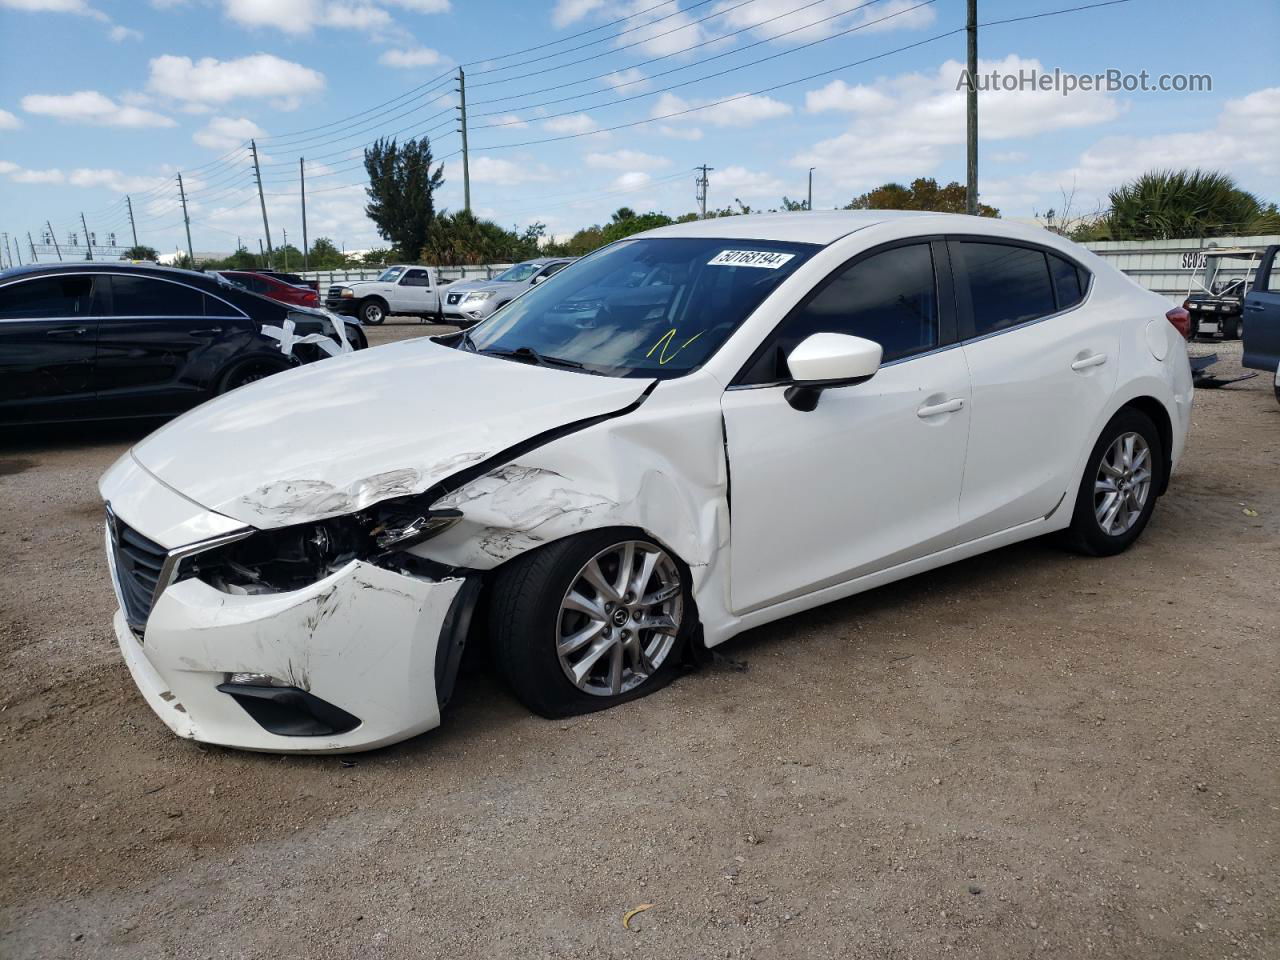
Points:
point(271, 287)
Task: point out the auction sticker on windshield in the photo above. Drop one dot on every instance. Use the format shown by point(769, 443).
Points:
point(749, 258)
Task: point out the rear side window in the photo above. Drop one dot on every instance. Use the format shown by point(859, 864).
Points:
point(551, 269)
point(46, 297)
point(213, 307)
point(147, 297)
point(1008, 285)
point(1069, 281)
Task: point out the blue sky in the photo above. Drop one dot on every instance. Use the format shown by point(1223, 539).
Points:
point(105, 97)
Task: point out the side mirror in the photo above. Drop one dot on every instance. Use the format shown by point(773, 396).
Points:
point(829, 360)
point(539, 278)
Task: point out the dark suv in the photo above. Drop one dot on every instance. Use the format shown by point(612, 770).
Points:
point(106, 340)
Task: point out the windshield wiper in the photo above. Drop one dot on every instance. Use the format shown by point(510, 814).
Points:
point(530, 354)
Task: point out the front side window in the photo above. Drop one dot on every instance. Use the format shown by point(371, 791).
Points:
point(1008, 285)
point(149, 297)
point(655, 307)
point(416, 278)
point(890, 297)
point(46, 297)
point(552, 269)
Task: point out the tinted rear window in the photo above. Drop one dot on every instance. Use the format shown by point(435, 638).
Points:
point(1069, 281)
point(1008, 285)
point(148, 297)
point(46, 297)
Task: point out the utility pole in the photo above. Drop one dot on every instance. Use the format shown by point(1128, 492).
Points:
point(128, 201)
point(809, 205)
point(7, 249)
point(262, 200)
point(32, 244)
point(262, 254)
point(182, 193)
point(971, 113)
point(88, 242)
point(302, 178)
point(54, 237)
point(701, 184)
point(466, 158)
point(17, 246)
point(284, 247)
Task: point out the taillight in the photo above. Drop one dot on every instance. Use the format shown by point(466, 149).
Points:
point(1181, 320)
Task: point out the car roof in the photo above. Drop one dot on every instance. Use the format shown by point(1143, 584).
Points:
point(105, 266)
point(827, 226)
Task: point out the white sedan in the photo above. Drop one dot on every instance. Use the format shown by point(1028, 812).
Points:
point(692, 432)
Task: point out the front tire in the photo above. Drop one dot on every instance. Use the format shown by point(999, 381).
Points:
point(248, 371)
point(1231, 328)
point(590, 622)
point(372, 311)
point(1119, 488)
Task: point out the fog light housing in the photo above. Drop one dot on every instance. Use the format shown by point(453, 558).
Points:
point(255, 680)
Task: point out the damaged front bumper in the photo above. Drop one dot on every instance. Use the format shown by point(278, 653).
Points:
point(360, 659)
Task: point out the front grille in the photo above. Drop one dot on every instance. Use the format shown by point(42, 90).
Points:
point(139, 565)
point(334, 292)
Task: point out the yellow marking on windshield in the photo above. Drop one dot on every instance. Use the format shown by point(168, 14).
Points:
point(665, 341)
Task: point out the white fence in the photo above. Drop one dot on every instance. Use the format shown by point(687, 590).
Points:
point(485, 271)
point(1172, 267)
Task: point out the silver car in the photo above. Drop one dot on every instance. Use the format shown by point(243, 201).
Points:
point(471, 301)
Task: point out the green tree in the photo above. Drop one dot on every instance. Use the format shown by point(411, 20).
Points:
point(377, 257)
point(401, 191)
point(324, 255)
point(140, 252)
point(626, 222)
point(1167, 204)
point(923, 194)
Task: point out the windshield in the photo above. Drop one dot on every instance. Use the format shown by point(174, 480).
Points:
point(389, 275)
point(644, 308)
point(521, 271)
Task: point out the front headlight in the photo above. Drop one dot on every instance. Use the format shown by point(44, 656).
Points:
point(290, 558)
point(346, 292)
point(478, 297)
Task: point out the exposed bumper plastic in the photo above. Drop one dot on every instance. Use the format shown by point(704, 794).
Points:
point(363, 639)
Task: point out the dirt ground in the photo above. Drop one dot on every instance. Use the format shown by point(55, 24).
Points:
point(1028, 754)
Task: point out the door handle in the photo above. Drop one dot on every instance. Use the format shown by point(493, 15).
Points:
point(937, 409)
point(1254, 307)
point(67, 332)
point(207, 332)
point(1084, 363)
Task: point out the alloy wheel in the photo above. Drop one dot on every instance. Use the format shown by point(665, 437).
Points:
point(619, 618)
point(1122, 484)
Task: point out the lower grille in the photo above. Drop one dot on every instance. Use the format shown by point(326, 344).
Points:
point(139, 565)
point(334, 292)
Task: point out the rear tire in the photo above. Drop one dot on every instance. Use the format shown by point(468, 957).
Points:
point(566, 646)
point(372, 311)
point(1231, 328)
point(1119, 488)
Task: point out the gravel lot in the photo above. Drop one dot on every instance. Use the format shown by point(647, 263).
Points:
point(1028, 754)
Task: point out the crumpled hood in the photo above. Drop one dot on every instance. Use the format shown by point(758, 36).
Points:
point(338, 435)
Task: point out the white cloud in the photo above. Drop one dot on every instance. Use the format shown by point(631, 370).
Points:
point(112, 180)
point(301, 16)
point(8, 121)
point(509, 120)
point(740, 112)
point(53, 6)
point(633, 180)
point(901, 125)
point(209, 81)
point(680, 133)
point(119, 34)
point(574, 123)
point(22, 175)
point(1008, 156)
point(416, 57)
point(506, 173)
point(778, 17)
point(751, 186)
point(94, 108)
point(227, 133)
point(626, 160)
point(631, 80)
point(571, 11)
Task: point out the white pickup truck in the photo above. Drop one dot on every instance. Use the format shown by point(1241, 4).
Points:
point(401, 289)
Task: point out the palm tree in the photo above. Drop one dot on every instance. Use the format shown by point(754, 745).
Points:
point(1164, 204)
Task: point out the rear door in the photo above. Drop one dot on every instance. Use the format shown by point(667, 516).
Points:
point(1262, 315)
point(161, 343)
point(48, 328)
point(1043, 364)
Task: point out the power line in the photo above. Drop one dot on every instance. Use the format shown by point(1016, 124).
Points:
point(719, 73)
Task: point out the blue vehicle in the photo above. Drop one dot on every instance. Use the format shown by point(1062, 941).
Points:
point(1262, 318)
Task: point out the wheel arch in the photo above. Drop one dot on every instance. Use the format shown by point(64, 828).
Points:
point(1156, 412)
point(235, 364)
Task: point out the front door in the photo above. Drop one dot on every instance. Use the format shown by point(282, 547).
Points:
point(48, 329)
point(413, 293)
point(1262, 315)
point(871, 477)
